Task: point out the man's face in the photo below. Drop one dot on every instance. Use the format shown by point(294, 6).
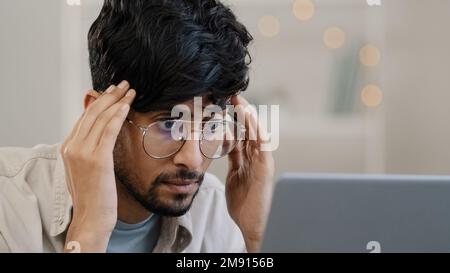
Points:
point(163, 186)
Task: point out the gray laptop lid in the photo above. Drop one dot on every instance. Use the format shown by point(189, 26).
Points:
point(359, 213)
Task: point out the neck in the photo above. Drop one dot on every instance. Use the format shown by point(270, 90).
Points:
point(129, 210)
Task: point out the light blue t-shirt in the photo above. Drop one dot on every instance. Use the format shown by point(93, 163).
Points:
point(135, 238)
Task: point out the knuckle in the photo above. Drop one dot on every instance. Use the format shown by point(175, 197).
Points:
point(102, 118)
point(90, 111)
point(119, 106)
point(110, 129)
point(114, 96)
point(68, 153)
point(74, 154)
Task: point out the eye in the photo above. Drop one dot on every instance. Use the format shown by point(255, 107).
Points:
point(166, 125)
point(213, 127)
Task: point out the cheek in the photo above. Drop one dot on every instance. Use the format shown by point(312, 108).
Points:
point(206, 163)
point(147, 168)
point(143, 168)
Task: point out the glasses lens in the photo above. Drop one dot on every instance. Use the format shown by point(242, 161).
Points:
point(164, 138)
point(219, 138)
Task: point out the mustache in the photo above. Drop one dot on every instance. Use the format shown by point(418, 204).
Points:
point(181, 174)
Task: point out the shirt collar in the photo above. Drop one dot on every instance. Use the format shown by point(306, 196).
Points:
point(176, 232)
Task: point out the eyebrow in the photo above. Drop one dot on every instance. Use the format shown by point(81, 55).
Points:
point(168, 114)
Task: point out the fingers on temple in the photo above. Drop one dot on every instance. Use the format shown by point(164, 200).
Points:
point(110, 97)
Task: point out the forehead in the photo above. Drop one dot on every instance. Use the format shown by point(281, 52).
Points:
point(198, 103)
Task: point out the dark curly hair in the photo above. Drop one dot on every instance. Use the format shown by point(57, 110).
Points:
point(169, 50)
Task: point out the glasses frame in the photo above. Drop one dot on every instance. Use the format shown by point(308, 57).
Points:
point(145, 129)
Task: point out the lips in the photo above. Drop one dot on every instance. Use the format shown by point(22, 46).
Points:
point(181, 186)
point(180, 182)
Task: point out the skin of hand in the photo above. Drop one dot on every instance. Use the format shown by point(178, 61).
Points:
point(88, 159)
point(249, 185)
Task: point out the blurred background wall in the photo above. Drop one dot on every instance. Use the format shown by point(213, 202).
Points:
point(30, 53)
point(362, 88)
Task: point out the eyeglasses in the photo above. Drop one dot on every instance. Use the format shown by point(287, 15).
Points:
point(217, 138)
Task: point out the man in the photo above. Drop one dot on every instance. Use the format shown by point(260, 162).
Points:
point(121, 181)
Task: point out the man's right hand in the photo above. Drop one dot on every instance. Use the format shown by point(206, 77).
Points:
point(88, 158)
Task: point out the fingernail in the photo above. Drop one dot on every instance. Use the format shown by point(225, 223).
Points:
point(110, 89)
point(123, 85)
point(130, 93)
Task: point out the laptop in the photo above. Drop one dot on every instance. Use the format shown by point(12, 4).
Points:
point(338, 213)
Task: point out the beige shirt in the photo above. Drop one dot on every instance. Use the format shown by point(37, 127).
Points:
point(35, 209)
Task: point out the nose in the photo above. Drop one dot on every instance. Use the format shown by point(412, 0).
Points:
point(189, 156)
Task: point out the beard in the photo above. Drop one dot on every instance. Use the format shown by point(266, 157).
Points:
point(174, 205)
point(150, 200)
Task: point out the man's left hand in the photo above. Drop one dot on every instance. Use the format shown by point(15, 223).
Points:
point(250, 180)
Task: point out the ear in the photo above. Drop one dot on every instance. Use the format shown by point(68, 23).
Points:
point(90, 97)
